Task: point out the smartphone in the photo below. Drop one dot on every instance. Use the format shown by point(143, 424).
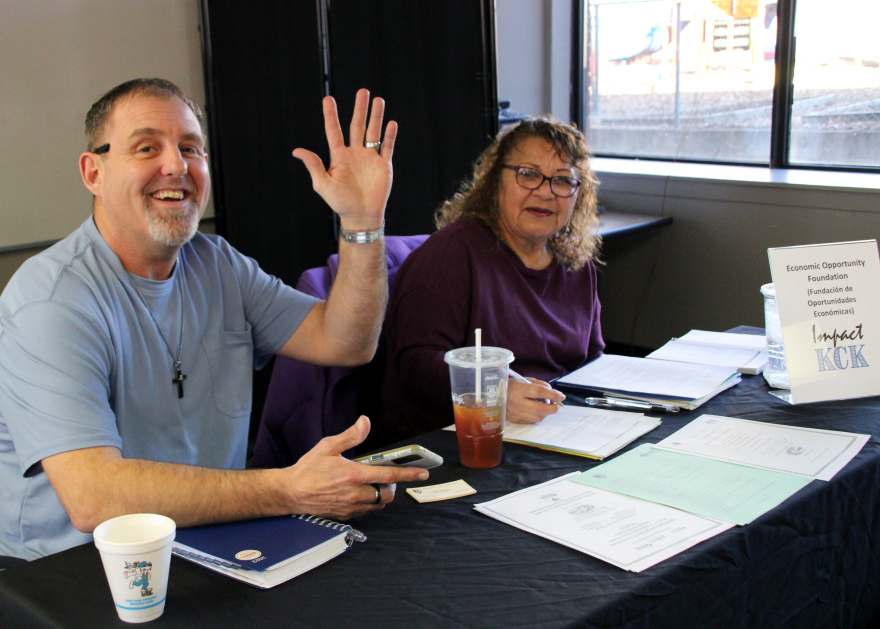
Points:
point(407, 456)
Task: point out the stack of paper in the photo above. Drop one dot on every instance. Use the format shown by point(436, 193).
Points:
point(656, 501)
point(658, 381)
point(745, 352)
point(589, 432)
point(628, 533)
point(808, 452)
point(726, 468)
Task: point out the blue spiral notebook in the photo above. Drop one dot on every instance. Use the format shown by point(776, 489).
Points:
point(267, 551)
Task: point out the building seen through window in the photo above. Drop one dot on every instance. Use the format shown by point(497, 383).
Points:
point(694, 80)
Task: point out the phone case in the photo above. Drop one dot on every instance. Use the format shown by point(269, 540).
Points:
point(407, 456)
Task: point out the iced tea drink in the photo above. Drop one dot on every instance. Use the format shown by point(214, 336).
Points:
point(480, 429)
point(479, 424)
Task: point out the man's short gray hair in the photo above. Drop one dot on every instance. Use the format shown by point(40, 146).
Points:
point(96, 119)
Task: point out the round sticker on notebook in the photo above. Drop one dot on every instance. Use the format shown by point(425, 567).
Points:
point(248, 555)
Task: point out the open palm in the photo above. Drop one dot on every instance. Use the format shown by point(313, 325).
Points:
point(357, 183)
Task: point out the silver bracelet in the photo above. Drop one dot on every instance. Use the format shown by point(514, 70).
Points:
point(362, 238)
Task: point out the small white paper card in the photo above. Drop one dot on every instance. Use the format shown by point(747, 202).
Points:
point(446, 491)
point(829, 307)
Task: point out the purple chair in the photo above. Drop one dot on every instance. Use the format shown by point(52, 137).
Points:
point(305, 402)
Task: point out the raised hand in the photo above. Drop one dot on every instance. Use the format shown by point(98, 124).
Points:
point(357, 183)
point(324, 483)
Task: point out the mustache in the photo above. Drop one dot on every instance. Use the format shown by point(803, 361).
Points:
point(182, 184)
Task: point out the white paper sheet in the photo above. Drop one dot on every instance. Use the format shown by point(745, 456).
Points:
point(666, 379)
point(809, 452)
point(746, 352)
point(626, 532)
point(590, 431)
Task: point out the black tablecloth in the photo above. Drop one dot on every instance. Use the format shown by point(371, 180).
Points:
point(811, 562)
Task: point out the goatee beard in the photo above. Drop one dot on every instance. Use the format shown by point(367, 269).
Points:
point(173, 228)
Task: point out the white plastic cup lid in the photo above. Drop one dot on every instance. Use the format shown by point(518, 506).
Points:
point(489, 357)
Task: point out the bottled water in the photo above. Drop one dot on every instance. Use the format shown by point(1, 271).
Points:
point(776, 372)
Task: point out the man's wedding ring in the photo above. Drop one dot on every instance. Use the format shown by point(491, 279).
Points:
point(373, 145)
point(378, 489)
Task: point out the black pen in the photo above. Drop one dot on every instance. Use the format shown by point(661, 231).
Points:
point(611, 402)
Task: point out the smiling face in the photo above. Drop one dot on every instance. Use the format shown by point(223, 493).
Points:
point(152, 186)
point(529, 218)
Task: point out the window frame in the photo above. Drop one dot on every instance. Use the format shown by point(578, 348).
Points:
point(783, 96)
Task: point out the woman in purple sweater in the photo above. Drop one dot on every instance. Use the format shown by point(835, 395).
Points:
point(514, 255)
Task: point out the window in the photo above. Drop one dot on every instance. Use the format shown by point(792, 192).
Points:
point(716, 81)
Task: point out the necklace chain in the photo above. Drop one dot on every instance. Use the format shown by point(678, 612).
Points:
point(179, 376)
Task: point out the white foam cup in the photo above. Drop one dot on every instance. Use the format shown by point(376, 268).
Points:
point(136, 551)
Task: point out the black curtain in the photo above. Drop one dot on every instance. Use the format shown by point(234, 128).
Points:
point(265, 85)
point(433, 63)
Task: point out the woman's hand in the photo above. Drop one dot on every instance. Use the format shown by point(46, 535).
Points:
point(525, 403)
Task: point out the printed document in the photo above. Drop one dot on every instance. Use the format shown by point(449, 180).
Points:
point(810, 452)
point(746, 352)
point(829, 308)
point(724, 491)
point(592, 432)
point(628, 533)
point(642, 378)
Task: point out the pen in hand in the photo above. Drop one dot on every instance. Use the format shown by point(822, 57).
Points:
point(516, 376)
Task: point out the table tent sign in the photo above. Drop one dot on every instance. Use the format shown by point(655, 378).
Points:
point(829, 307)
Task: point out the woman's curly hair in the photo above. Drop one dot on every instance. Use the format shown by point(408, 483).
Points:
point(574, 244)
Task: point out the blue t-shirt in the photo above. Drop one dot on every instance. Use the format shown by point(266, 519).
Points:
point(83, 364)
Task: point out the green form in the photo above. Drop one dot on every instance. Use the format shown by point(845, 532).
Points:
point(724, 491)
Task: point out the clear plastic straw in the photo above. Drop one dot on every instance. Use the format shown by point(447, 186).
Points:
point(479, 334)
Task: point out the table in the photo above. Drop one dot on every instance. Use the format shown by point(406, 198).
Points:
point(814, 561)
point(615, 224)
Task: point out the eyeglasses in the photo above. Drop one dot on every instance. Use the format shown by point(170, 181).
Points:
point(533, 179)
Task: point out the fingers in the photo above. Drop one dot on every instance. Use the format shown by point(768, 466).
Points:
point(388, 142)
point(526, 402)
point(374, 131)
point(313, 164)
point(538, 382)
point(353, 436)
point(387, 475)
point(386, 493)
point(328, 485)
point(540, 390)
point(359, 118)
point(332, 128)
point(537, 390)
point(358, 130)
point(527, 411)
point(552, 395)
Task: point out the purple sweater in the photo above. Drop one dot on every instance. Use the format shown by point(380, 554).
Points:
point(461, 279)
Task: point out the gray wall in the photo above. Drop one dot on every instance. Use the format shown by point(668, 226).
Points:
point(534, 55)
point(706, 269)
point(58, 57)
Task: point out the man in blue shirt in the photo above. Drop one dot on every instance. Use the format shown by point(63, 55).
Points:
point(127, 349)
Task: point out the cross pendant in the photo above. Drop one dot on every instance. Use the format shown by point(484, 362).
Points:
point(178, 379)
